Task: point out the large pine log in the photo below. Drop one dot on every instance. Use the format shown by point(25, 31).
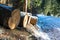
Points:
point(9, 16)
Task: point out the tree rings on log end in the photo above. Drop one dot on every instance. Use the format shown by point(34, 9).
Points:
point(25, 21)
point(14, 19)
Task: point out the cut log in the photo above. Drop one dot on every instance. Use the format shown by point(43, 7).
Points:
point(24, 19)
point(32, 20)
point(9, 16)
point(27, 19)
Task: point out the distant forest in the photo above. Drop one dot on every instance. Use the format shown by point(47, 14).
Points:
point(46, 7)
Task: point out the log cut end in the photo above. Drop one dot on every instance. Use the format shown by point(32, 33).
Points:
point(14, 19)
point(32, 20)
point(25, 21)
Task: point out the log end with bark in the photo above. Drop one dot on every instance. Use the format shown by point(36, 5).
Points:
point(33, 20)
point(9, 17)
point(14, 19)
point(27, 18)
point(24, 19)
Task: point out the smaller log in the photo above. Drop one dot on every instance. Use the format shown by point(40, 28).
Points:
point(27, 18)
point(32, 20)
point(24, 19)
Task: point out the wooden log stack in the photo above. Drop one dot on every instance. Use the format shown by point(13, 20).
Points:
point(12, 18)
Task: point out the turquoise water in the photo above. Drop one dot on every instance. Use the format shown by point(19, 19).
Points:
point(47, 23)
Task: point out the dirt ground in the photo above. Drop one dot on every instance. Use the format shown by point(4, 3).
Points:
point(16, 34)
